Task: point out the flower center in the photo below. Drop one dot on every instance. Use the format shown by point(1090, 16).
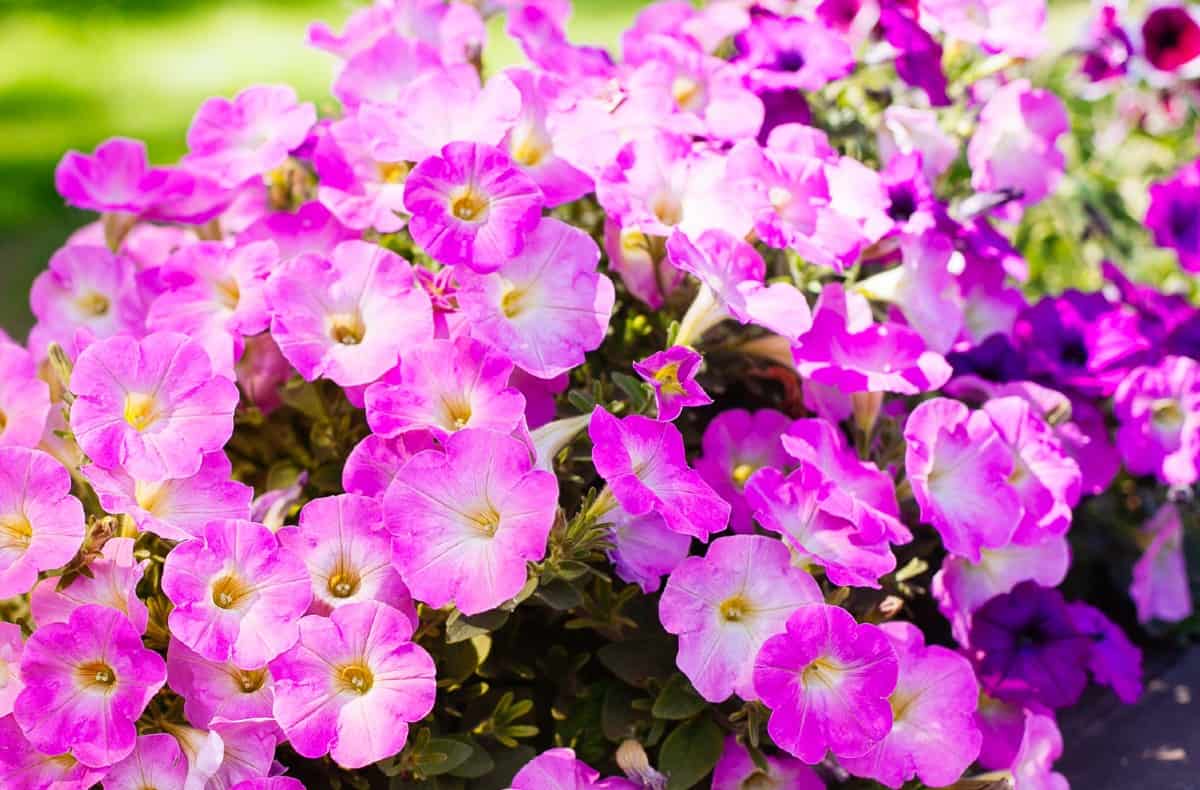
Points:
point(735, 609)
point(229, 591)
point(688, 94)
point(228, 292)
point(900, 704)
point(96, 674)
point(149, 496)
point(668, 379)
point(667, 209)
point(511, 303)
point(458, 412)
point(347, 329)
point(251, 680)
point(1166, 413)
point(3, 421)
point(343, 583)
point(487, 521)
point(141, 410)
point(15, 531)
point(820, 672)
point(469, 205)
point(741, 473)
point(780, 198)
point(356, 678)
point(393, 172)
point(529, 147)
point(94, 304)
point(759, 781)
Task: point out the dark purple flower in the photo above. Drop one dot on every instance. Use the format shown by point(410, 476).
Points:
point(790, 52)
point(919, 58)
point(1170, 37)
point(912, 205)
point(1026, 647)
point(782, 107)
point(1108, 48)
point(995, 359)
point(1174, 215)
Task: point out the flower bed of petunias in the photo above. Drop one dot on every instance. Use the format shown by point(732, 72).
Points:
point(696, 417)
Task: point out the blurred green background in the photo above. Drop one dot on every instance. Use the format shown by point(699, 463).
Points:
point(74, 72)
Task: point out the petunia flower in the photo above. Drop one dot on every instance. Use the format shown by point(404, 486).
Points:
point(1158, 408)
point(378, 73)
point(827, 680)
point(343, 542)
point(41, 524)
point(117, 177)
point(217, 689)
point(1171, 37)
point(736, 444)
point(1041, 745)
point(175, 509)
point(1026, 647)
point(791, 52)
point(472, 206)
point(12, 644)
point(544, 308)
point(238, 593)
point(737, 770)
point(234, 140)
point(111, 581)
point(362, 192)
point(1015, 145)
point(347, 317)
point(156, 761)
point(643, 462)
point(374, 462)
point(466, 521)
point(445, 386)
point(86, 682)
point(269, 783)
point(672, 375)
point(908, 130)
point(454, 33)
point(725, 605)
point(312, 228)
point(934, 735)
point(23, 765)
point(151, 406)
point(216, 295)
point(1013, 27)
point(918, 58)
point(959, 469)
point(818, 523)
point(1115, 662)
point(644, 548)
point(559, 769)
point(1171, 216)
point(247, 752)
point(530, 142)
point(349, 672)
point(86, 293)
point(1160, 587)
point(24, 398)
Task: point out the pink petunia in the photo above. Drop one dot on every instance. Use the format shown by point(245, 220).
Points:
point(644, 549)
point(546, 307)
point(378, 73)
point(446, 386)
point(41, 524)
point(117, 177)
point(347, 317)
point(234, 140)
point(112, 582)
point(175, 509)
point(735, 445)
point(934, 735)
point(531, 144)
point(959, 469)
point(374, 462)
point(217, 689)
point(86, 682)
point(12, 644)
point(1015, 145)
point(558, 769)
point(1115, 661)
point(347, 674)
point(454, 32)
point(156, 761)
point(359, 190)
point(312, 228)
point(726, 605)
point(643, 462)
point(466, 521)
point(827, 681)
point(737, 770)
point(672, 374)
point(151, 406)
point(238, 593)
point(24, 398)
point(471, 205)
point(23, 765)
point(1041, 745)
point(348, 553)
point(1160, 587)
point(1158, 408)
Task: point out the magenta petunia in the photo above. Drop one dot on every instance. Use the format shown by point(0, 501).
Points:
point(445, 386)
point(827, 680)
point(217, 295)
point(86, 682)
point(1161, 589)
point(24, 398)
point(22, 765)
point(111, 581)
point(643, 462)
point(735, 445)
point(374, 462)
point(644, 549)
point(217, 689)
point(359, 190)
point(546, 307)
point(151, 406)
point(1041, 745)
point(234, 140)
point(1158, 409)
point(531, 144)
point(959, 469)
point(672, 374)
point(86, 293)
point(819, 523)
point(246, 750)
point(156, 761)
point(558, 769)
point(41, 524)
point(12, 644)
point(348, 552)
point(238, 593)
point(347, 317)
point(312, 228)
point(472, 206)
point(934, 735)
point(378, 73)
point(725, 605)
point(117, 177)
point(175, 509)
point(737, 770)
point(1015, 146)
point(466, 521)
point(1115, 661)
point(791, 53)
point(348, 673)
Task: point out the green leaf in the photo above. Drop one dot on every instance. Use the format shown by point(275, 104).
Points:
point(581, 400)
point(441, 756)
point(690, 752)
point(507, 763)
point(636, 661)
point(480, 763)
point(677, 700)
point(460, 627)
point(560, 595)
point(619, 719)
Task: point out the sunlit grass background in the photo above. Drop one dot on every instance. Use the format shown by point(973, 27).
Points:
point(74, 72)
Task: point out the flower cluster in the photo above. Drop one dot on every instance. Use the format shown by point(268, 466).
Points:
point(627, 408)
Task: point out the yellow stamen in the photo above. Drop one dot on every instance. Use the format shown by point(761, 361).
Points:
point(668, 379)
point(511, 302)
point(347, 329)
point(93, 303)
point(229, 591)
point(356, 678)
point(15, 531)
point(344, 578)
point(251, 680)
point(141, 410)
point(149, 496)
point(487, 521)
point(393, 172)
point(735, 609)
point(458, 413)
point(741, 473)
point(469, 205)
point(688, 94)
point(95, 675)
point(228, 292)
